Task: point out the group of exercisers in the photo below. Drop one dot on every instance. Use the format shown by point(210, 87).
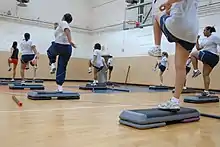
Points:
point(178, 21)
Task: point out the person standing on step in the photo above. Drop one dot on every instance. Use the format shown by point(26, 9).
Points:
point(207, 52)
point(97, 61)
point(163, 64)
point(110, 67)
point(62, 47)
point(179, 23)
point(28, 53)
point(13, 59)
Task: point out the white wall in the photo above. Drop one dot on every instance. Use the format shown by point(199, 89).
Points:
point(138, 41)
point(42, 37)
point(51, 10)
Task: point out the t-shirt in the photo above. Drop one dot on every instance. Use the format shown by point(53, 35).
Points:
point(98, 62)
point(15, 52)
point(110, 60)
point(183, 21)
point(163, 61)
point(26, 47)
point(60, 36)
point(210, 44)
point(156, 5)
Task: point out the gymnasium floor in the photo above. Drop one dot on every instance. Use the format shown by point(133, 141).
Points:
point(92, 121)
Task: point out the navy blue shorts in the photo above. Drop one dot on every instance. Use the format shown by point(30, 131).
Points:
point(26, 58)
point(171, 38)
point(162, 68)
point(98, 68)
point(208, 58)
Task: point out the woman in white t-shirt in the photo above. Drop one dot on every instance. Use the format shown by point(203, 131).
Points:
point(179, 23)
point(28, 53)
point(97, 61)
point(62, 47)
point(110, 67)
point(162, 64)
point(207, 52)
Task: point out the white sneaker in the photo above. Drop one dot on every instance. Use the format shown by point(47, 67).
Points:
point(155, 52)
point(12, 80)
point(52, 68)
point(196, 73)
point(169, 105)
point(184, 88)
point(60, 88)
point(89, 70)
point(22, 82)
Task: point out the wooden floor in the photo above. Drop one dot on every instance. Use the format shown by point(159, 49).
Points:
point(92, 121)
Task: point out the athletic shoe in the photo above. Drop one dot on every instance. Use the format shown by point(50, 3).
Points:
point(196, 73)
point(22, 82)
point(155, 52)
point(205, 93)
point(52, 68)
point(9, 69)
point(169, 105)
point(60, 88)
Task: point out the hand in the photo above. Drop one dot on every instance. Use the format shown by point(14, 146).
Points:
point(73, 45)
point(198, 36)
point(166, 6)
point(167, 68)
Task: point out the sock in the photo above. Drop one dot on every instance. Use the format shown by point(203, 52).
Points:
point(206, 91)
point(157, 46)
point(195, 70)
point(175, 100)
point(60, 88)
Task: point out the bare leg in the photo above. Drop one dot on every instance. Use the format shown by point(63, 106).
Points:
point(14, 71)
point(206, 72)
point(35, 73)
point(194, 58)
point(161, 77)
point(109, 75)
point(157, 33)
point(22, 71)
point(181, 57)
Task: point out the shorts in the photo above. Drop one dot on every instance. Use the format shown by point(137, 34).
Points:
point(110, 68)
point(171, 38)
point(209, 58)
point(26, 58)
point(98, 68)
point(162, 68)
point(188, 69)
point(14, 61)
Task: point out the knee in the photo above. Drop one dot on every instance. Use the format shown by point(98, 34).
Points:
point(205, 75)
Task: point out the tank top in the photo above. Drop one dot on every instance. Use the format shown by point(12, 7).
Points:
point(15, 53)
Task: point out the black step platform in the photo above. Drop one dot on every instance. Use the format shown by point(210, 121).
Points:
point(19, 86)
point(189, 90)
point(153, 118)
point(158, 88)
point(90, 86)
point(6, 82)
point(48, 95)
point(201, 99)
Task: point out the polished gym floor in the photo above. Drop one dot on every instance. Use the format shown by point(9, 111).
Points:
point(92, 121)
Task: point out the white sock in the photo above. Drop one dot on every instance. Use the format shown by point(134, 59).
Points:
point(195, 70)
point(175, 100)
point(157, 46)
point(60, 88)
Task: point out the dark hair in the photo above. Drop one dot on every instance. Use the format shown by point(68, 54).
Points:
point(27, 36)
point(68, 18)
point(165, 54)
point(15, 44)
point(211, 29)
point(97, 46)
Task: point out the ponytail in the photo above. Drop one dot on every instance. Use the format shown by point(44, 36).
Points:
point(211, 29)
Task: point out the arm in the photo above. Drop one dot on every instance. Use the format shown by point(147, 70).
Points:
point(11, 52)
point(68, 34)
point(198, 46)
point(168, 64)
point(156, 65)
point(35, 50)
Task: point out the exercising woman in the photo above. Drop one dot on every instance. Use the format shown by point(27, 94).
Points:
point(97, 61)
point(110, 67)
point(207, 52)
point(162, 64)
point(28, 53)
point(13, 59)
point(62, 47)
point(179, 23)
